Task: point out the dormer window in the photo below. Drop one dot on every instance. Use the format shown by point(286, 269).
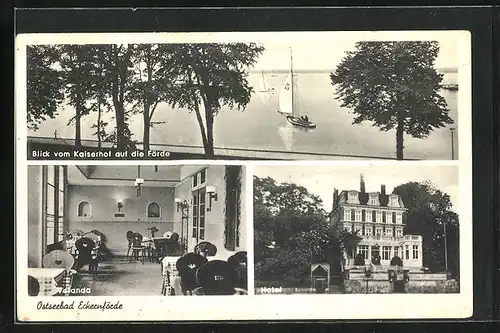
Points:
point(394, 201)
point(372, 201)
point(352, 197)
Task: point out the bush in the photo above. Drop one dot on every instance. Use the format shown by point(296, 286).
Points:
point(359, 260)
point(397, 261)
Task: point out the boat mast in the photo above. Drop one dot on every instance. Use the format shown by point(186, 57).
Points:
point(291, 82)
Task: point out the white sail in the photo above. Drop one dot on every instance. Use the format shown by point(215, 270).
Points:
point(263, 86)
point(286, 97)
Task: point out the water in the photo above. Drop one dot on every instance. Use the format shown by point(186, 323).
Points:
point(260, 127)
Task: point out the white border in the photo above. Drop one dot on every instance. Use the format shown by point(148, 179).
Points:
point(251, 307)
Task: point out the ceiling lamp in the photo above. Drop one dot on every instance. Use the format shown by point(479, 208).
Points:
point(138, 181)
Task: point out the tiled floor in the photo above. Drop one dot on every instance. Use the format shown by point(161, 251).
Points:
point(118, 277)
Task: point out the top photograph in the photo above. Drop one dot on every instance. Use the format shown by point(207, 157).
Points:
point(257, 96)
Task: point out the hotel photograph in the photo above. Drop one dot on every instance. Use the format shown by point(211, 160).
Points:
point(125, 230)
point(356, 229)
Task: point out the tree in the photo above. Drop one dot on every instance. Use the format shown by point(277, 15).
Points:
point(152, 82)
point(210, 76)
point(395, 86)
point(118, 67)
point(77, 64)
point(291, 232)
point(44, 86)
point(428, 210)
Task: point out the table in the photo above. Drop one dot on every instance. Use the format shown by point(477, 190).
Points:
point(171, 279)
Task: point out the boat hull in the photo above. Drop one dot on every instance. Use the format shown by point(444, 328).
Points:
point(299, 122)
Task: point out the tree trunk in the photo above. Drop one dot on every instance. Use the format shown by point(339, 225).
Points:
point(147, 127)
point(78, 109)
point(209, 148)
point(399, 139)
point(120, 126)
point(99, 144)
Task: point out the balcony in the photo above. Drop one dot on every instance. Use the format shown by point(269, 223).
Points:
point(393, 238)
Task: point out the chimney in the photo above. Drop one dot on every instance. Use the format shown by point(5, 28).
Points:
point(335, 196)
point(362, 184)
point(382, 189)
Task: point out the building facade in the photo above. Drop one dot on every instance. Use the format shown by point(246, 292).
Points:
point(376, 217)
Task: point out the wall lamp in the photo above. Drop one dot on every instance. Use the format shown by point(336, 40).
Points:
point(120, 206)
point(212, 194)
point(181, 204)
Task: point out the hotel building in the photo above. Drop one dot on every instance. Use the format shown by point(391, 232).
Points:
point(378, 218)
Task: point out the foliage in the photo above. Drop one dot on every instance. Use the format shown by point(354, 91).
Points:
point(44, 86)
point(396, 261)
point(395, 86)
point(359, 260)
point(291, 232)
point(210, 76)
point(429, 209)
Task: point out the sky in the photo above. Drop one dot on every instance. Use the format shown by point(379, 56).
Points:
point(315, 55)
point(322, 180)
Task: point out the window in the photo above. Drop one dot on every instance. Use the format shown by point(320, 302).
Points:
point(394, 202)
point(368, 231)
point(399, 218)
point(388, 217)
point(233, 207)
point(372, 200)
point(203, 175)
point(386, 252)
point(388, 232)
point(364, 250)
point(357, 216)
point(54, 180)
point(199, 178)
point(415, 251)
point(378, 231)
point(348, 228)
point(352, 215)
point(199, 197)
point(154, 210)
point(378, 216)
point(83, 209)
point(399, 232)
point(396, 251)
point(368, 216)
point(347, 214)
point(352, 197)
point(357, 228)
point(407, 251)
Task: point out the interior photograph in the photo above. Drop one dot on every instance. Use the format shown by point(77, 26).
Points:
point(117, 230)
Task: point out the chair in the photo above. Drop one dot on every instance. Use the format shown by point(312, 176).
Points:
point(130, 238)
point(86, 254)
point(33, 286)
point(138, 250)
point(238, 264)
point(215, 278)
point(61, 259)
point(206, 249)
point(187, 266)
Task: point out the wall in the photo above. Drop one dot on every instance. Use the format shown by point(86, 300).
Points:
point(35, 216)
point(214, 219)
point(103, 202)
point(412, 287)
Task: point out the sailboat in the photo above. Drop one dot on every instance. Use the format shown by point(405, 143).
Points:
point(265, 92)
point(286, 102)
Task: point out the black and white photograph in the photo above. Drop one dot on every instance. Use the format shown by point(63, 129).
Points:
point(358, 229)
point(122, 230)
point(310, 96)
